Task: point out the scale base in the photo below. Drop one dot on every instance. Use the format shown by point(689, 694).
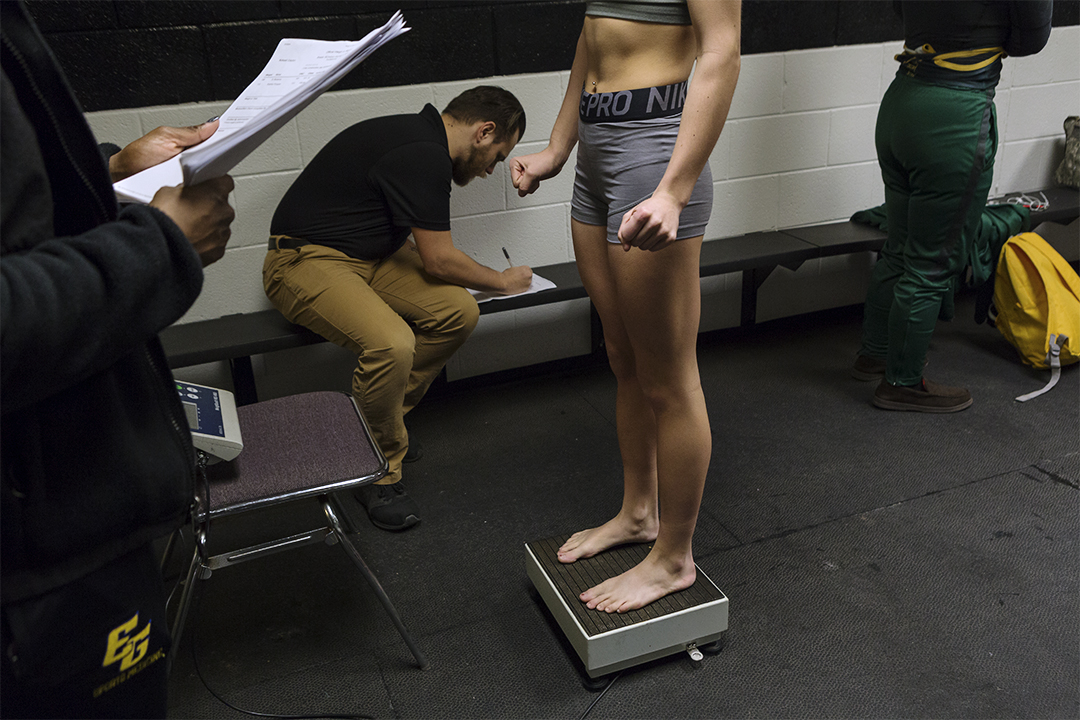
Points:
point(607, 643)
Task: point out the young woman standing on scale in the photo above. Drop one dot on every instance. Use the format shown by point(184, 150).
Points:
point(642, 198)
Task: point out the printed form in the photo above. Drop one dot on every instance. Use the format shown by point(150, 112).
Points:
point(538, 284)
point(298, 72)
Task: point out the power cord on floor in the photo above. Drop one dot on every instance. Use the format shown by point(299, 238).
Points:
point(198, 671)
point(193, 614)
point(602, 693)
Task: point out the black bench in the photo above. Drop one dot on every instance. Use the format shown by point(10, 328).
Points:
point(237, 338)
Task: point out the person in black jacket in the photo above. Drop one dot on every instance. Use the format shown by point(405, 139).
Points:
point(95, 453)
point(936, 138)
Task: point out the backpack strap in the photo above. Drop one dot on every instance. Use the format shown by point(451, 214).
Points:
point(1053, 359)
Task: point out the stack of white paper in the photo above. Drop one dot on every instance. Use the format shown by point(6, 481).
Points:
point(538, 284)
point(298, 72)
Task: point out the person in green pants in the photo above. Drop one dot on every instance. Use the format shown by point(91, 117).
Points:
point(936, 139)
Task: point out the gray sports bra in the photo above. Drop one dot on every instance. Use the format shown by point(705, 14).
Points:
point(664, 12)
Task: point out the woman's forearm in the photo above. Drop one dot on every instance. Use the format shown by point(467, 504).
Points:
point(564, 134)
point(708, 98)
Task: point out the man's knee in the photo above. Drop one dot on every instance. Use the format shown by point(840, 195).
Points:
point(468, 316)
point(460, 316)
point(392, 346)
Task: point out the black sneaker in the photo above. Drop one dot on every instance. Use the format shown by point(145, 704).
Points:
point(925, 397)
point(388, 506)
point(414, 452)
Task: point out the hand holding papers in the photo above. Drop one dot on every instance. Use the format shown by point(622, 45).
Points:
point(298, 72)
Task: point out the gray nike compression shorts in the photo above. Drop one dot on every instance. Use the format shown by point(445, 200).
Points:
point(619, 164)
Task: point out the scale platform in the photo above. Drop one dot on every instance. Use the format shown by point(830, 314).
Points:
point(606, 643)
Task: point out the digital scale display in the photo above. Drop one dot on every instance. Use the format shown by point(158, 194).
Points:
point(203, 409)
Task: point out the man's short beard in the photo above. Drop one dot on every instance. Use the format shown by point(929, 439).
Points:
point(466, 169)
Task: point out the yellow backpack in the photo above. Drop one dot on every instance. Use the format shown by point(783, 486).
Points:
point(1037, 305)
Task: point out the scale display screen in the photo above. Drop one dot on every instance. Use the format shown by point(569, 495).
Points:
point(203, 409)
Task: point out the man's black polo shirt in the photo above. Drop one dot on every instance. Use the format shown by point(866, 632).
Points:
point(369, 185)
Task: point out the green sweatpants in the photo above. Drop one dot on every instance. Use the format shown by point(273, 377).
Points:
point(936, 148)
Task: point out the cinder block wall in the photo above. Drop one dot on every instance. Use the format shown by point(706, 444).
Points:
point(797, 149)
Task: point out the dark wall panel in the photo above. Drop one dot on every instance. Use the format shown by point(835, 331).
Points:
point(159, 13)
point(58, 16)
point(776, 25)
point(1066, 12)
point(537, 37)
point(445, 43)
point(171, 51)
point(779, 25)
point(299, 8)
point(138, 67)
point(867, 21)
point(237, 52)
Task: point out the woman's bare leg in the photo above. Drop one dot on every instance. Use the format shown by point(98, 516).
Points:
point(659, 301)
point(637, 520)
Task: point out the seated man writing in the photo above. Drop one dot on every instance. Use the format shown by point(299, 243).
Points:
point(340, 264)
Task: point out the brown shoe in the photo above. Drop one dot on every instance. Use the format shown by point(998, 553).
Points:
point(867, 368)
point(925, 397)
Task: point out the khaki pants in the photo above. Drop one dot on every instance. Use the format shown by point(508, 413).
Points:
point(402, 323)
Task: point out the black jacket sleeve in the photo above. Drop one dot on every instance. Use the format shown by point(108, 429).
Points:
point(71, 306)
point(1029, 26)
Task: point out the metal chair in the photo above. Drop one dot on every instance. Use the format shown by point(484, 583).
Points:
point(304, 446)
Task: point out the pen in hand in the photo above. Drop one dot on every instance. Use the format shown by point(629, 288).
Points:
point(507, 256)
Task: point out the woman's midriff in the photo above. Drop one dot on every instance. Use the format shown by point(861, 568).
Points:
point(625, 55)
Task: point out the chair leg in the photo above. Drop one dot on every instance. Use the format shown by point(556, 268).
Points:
point(350, 549)
point(193, 575)
point(170, 545)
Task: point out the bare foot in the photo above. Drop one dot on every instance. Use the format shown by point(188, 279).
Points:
point(642, 584)
point(616, 531)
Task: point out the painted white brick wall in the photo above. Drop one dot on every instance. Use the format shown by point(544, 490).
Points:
point(744, 206)
point(826, 78)
point(1035, 95)
point(778, 143)
point(798, 149)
